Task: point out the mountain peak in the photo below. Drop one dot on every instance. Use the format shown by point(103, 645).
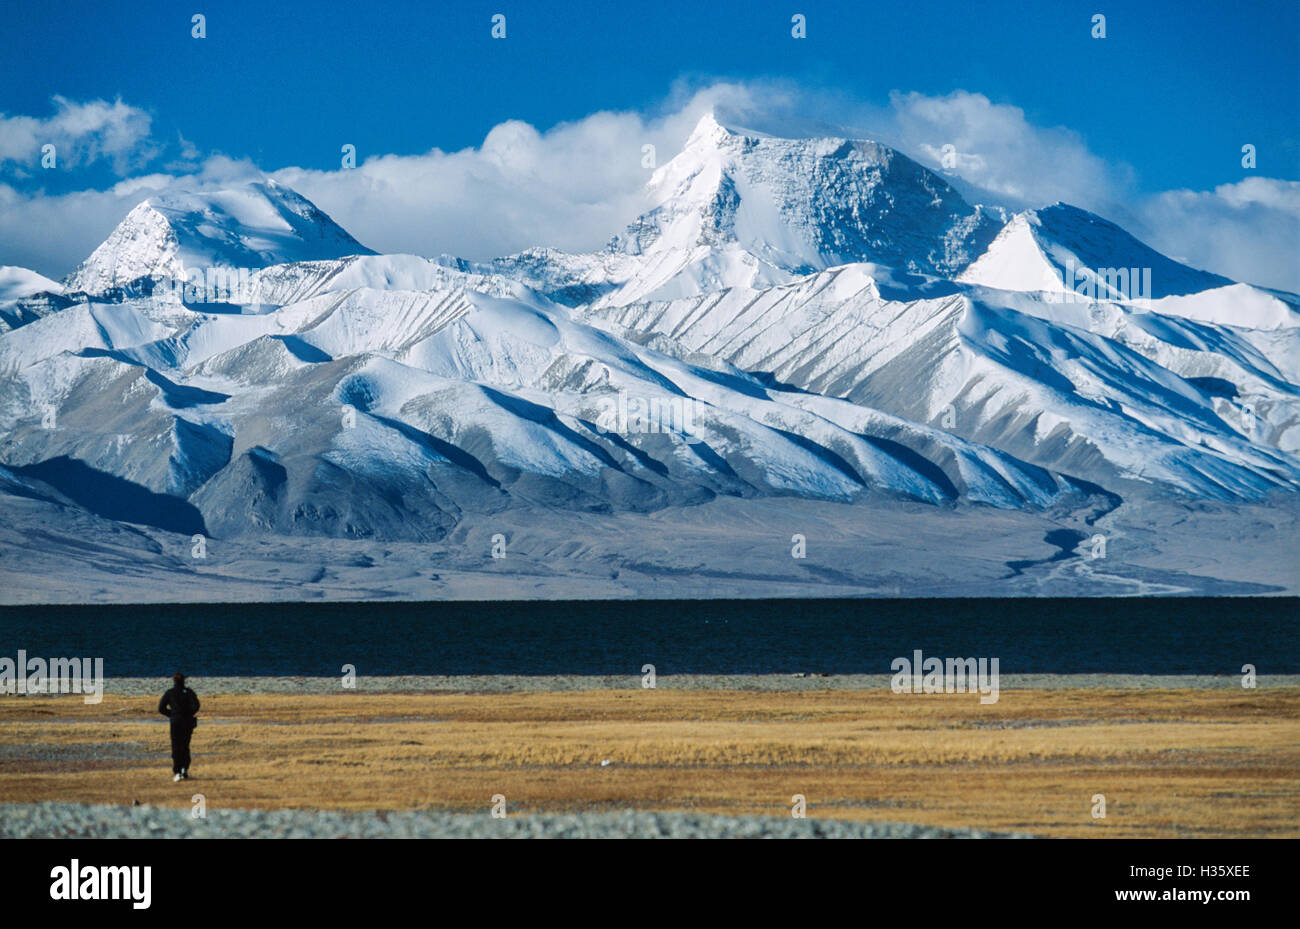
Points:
point(798, 201)
point(708, 130)
point(252, 224)
point(720, 125)
point(1061, 247)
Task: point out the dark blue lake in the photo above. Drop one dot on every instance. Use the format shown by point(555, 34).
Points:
point(1150, 636)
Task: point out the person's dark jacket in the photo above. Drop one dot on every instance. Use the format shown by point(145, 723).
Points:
point(179, 704)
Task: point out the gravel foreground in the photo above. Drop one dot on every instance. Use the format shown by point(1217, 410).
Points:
point(74, 820)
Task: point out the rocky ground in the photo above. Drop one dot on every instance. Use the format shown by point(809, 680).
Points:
point(72, 820)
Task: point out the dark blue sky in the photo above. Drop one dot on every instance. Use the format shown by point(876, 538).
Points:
point(1174, 90)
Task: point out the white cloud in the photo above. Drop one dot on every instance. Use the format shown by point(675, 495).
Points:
point(82, 133)
point(995, 148)
point(1248, 231)
point(570, 187)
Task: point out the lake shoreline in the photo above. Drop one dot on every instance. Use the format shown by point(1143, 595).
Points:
point(529, 683)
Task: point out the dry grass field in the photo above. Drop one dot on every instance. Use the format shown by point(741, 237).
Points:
point(1170, 763)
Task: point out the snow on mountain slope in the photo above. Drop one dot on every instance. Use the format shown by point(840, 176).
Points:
point(250, 226)
point(1251, 376)
point(393, 412)
point(1239, 305)
point(19, 282)
point(503, 345)
point(1066, 250)
point(19, 300)
point(280, 285)
point(1049, 393)
point(81, 326)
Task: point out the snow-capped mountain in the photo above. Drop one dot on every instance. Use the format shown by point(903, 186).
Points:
point(737, 208)
point(249, 226)
point(1063, 249)
point(25, 296)
point(812, 318)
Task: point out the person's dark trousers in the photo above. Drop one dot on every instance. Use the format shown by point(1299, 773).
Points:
point(182, 731)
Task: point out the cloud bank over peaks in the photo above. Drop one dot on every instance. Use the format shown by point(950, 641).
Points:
point(576, 184)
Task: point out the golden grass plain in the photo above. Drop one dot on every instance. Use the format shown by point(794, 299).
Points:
point(1170, 763)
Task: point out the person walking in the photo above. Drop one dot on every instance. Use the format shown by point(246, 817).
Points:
point(180, 704)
